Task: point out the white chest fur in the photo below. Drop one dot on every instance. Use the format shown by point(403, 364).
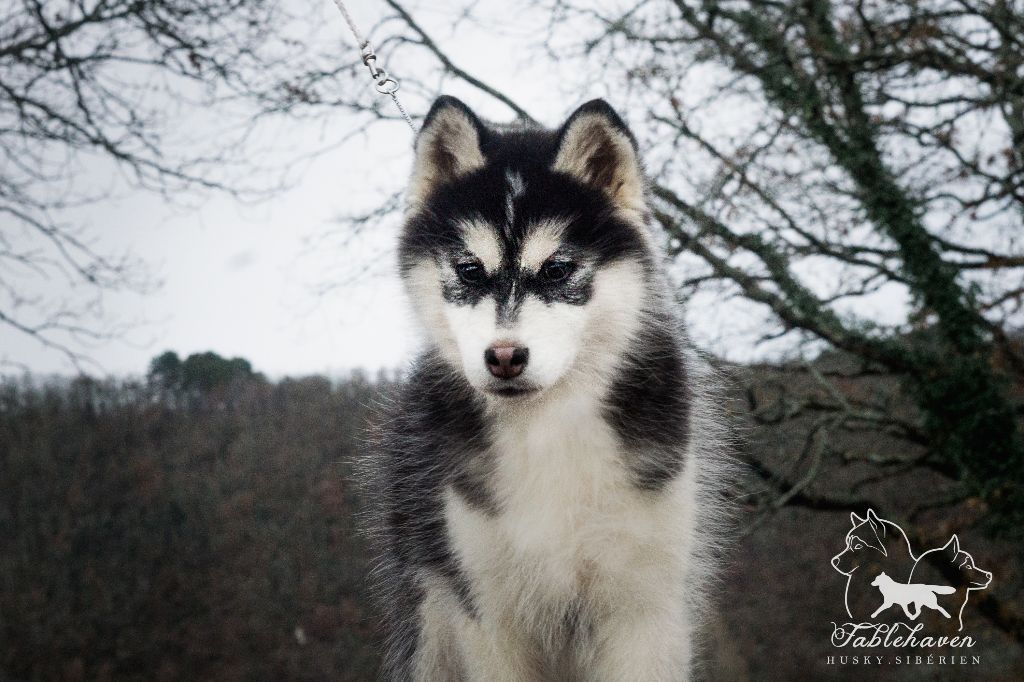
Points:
point(571, 532)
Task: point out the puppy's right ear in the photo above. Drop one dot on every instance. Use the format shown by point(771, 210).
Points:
point(448, 146)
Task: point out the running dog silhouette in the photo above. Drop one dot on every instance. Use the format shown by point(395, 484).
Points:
point(906, 594)
point(872, 545)
point(972, 577)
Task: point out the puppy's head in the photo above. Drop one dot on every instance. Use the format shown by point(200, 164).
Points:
point(524, 252)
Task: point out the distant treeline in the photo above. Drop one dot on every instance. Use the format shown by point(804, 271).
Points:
point(195, 525)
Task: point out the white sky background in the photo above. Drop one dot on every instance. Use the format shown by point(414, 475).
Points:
point(241, 279)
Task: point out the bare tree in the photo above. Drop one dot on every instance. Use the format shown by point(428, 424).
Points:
point(884, 150)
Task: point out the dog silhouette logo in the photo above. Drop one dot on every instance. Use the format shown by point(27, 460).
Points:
point(906, 594)
point(955, 560)
point(883, 571)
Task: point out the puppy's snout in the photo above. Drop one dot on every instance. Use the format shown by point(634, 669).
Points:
point(506, 361)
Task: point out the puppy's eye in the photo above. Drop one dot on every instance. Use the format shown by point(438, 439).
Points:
point(470, 273)
point(556, 270)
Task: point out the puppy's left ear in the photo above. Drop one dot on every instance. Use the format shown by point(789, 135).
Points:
point(597, 149)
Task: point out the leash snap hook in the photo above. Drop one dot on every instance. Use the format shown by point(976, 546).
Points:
point(370, 61)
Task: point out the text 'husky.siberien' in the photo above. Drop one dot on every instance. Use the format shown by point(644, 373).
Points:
point(545, 485)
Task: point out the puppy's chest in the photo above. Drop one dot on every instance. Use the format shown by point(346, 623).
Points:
point(567, 518)
point(558, 496)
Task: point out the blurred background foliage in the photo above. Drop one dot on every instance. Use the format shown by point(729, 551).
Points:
point(195, 526)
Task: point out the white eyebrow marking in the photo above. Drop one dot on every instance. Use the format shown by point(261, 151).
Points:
point(543, 239)
point(516, 188)
point(480, 238)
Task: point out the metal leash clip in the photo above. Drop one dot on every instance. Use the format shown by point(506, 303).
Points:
point(383, 82)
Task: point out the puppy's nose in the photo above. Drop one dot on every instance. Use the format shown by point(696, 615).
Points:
point(506, 362)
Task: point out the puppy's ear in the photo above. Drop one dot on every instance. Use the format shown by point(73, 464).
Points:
point(596, 148)
point(448, 146)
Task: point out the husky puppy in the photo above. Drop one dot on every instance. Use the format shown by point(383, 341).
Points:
point(546, 496)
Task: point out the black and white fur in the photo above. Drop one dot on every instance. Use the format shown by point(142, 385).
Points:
point(558, 525)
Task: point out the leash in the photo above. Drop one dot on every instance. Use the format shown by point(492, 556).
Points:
point(383, 82)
